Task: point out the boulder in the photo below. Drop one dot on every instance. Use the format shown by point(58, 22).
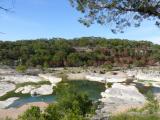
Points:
point(43, 90)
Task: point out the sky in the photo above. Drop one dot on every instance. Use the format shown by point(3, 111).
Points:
point(31, 19)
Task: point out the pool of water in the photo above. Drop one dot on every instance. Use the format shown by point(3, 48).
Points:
point(29, 99)
point(93, 89)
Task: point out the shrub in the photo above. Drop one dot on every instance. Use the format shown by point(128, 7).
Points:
point(153, 104)
point(21, 68)
point(126, 116)
point(34, 113)
point(108, 67)
point(109, 84)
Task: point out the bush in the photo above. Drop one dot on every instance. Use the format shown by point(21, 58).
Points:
point(34, 113)
point(21, 68)
point(153, 104)
point(135, 117)
point(109, 84)
point(108, 67)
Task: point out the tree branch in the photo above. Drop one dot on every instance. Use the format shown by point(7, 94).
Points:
point(2, 8)
point(150, 10)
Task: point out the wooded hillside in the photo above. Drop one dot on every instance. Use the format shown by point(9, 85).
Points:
point(86, 51)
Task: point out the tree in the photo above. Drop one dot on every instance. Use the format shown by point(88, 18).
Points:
point(70, 100)
point(73, 59)
point(119, 13)
point(53, 112)
point(4, 9)
point(34, 113)
point(5, 5)
point(59, 58)
point(95, 51)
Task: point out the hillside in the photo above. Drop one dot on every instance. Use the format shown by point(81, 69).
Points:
point(85, 51)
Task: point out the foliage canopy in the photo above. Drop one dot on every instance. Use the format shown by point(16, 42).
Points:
point(85, 51)
point(119, 14)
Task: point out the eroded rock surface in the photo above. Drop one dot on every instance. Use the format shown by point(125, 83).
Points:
point(20, 78)
point(25, 90)
point(53, 79)
point(145, 74)
point(33, 90)
point(43, 90)
point(6, 87)
point(119, 98)
point(6, 103)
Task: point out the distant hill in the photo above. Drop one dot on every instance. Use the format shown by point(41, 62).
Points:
point(85, 51)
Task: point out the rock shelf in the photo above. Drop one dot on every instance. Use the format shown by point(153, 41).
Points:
point(6, 87)
point(120, 98)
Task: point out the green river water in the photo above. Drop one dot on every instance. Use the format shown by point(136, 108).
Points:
point(93, 89)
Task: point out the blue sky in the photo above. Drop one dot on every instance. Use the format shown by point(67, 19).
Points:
point(56, 18)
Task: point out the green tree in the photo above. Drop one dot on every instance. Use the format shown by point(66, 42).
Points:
point(70, 115)
point(59, 58)
point(121, 13)
point(69, 99)
point(74, 59)
point(53, 112)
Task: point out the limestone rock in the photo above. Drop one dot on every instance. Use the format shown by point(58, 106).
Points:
point(53, 80)
point(25, 90)
point(121, 97)
point(21, 78)
point(43, 90)
point(6, 103)
point(6, 87)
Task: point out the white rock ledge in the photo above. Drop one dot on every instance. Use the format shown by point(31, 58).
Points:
point(52, 79)
point(25, 90)
point(43, 90)
point(6, 103)
point(121, 95)
point(20, 78)
point(6, 87)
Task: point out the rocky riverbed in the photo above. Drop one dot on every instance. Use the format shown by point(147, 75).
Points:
point(119, 98)
point(121, 91)
point(19, 83)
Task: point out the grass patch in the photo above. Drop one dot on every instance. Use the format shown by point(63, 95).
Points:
point(12, 94)
point(146, 81)
point(135, 117)
point(62, 75)
point(33, 83)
